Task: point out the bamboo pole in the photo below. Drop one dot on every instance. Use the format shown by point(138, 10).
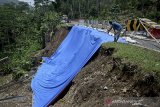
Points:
point(149, 32)
point(3, 59)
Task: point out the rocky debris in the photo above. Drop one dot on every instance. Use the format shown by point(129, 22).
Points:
point(105, 88)
point(124, 90)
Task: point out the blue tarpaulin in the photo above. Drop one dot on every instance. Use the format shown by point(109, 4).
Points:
point(57, 71)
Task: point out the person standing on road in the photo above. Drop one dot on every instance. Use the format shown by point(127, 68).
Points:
point(117, 29)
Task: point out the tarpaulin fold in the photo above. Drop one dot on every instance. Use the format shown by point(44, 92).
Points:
point(58, 70)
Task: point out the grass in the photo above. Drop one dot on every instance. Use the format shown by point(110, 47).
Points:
point(146, 59)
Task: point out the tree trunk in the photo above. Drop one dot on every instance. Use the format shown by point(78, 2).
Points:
point(79, 8)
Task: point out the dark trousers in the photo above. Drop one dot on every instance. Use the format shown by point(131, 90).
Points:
point(116, 36)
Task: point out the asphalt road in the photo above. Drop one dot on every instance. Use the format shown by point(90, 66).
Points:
point(146, 43)
point(150, 44)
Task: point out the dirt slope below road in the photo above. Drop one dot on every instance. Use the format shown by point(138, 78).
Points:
point(105, 77)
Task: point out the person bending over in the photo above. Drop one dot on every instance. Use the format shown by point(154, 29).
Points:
point(117, 29)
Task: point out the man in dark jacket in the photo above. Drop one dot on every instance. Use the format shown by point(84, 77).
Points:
point(117, 30)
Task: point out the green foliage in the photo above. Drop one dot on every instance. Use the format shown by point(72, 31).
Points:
point(6, 69)
point(19, 72)
point(108, 8)
point(22, 33)
point(93, 12)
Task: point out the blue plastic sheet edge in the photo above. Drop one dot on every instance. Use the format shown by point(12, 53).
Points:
point(73, 76)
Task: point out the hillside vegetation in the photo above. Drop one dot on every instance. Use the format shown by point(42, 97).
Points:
point(22, 34)
point(110, 9)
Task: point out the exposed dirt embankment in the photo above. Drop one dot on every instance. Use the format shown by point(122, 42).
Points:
point(52, 44)
point(105, 77)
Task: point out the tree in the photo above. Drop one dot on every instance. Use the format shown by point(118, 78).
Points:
point(23, 30)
